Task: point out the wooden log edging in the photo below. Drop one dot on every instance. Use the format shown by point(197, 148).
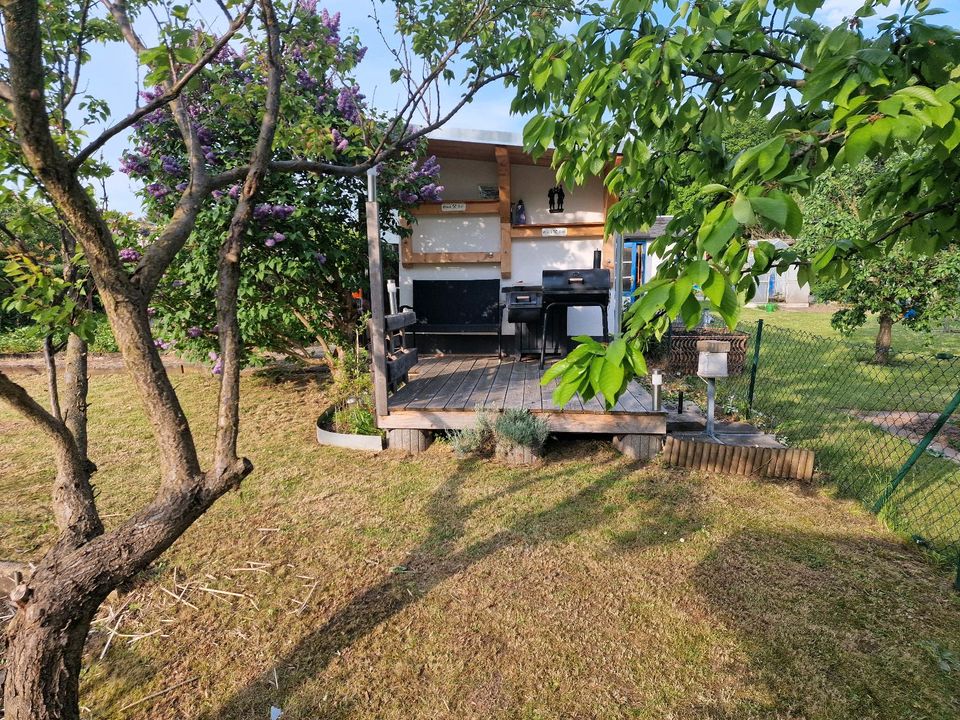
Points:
point(781, 463)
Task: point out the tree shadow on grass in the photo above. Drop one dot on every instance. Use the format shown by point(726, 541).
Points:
point(831, 626)
point(435, 560)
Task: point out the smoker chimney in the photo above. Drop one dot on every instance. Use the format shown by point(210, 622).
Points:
point(596, 259)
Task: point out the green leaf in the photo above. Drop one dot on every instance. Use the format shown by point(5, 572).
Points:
point(858, 144)
point(721, 233)
point(774, 209)
point(743, 211)
point(610, 381)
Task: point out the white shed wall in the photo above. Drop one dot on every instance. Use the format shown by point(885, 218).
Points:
point(530, 183)
point(461, 179)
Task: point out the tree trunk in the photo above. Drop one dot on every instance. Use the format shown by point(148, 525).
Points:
point(884, 338)
point(76, 385)
point(50, 362)
point(44, 654)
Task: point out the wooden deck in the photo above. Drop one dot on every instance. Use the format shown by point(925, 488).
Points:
point(443, 392)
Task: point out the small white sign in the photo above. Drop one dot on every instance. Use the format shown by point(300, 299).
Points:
point(453, 207)
point(553, 232)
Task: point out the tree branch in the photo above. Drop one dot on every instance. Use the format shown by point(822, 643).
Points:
point(228, 270)
point(74, 506)
point(172, 93)
point(234, 175)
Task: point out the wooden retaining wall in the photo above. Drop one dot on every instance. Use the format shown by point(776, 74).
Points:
point(785, 463)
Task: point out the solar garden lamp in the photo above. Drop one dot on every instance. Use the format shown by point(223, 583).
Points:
point(712, 364)
point(656, 382)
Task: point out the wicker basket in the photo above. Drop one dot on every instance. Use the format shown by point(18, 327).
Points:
point(683, 356)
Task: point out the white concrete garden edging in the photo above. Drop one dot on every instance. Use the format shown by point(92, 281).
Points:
point(367, 443)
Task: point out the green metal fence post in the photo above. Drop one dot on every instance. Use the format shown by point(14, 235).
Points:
point(753, 367)
point(956, 582)
point(917, 452)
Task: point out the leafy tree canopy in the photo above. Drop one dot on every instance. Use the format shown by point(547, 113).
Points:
point(661, 82)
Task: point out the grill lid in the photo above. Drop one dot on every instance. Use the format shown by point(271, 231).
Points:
point(575, 282)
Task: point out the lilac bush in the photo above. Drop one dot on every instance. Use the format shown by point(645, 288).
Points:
point(306, 251)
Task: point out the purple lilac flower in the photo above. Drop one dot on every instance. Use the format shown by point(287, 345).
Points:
point(208, 154)
point(308, 6)
point(348, 103)
point(340, 143)
point(178, 283)
point(282, 212)
point(361, 53)
point(204, 134)
point(262, 211)
point(171, 165)
point(226, 54)
point(306, 80)
point(151, 311)
point(130, 255)
point(217, 362)
point(217, 194)
point(162, 344)
point(131, 164)
point(332, 24)
point(234, 192)
point(181, 186)
point(431, 192)
point(194, 332)
point(321, 258)
point(297, 53)
point(270, 242)
point(407, 197)
point(158, 190)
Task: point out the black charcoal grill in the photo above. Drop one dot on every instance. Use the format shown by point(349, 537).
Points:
point(563, 289)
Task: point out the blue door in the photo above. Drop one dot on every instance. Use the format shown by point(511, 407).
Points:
point(634, 267)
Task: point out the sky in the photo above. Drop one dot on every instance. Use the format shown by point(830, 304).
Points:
point(113, 75)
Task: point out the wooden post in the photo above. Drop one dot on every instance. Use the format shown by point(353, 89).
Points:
point(376, 325)
point(506, 239)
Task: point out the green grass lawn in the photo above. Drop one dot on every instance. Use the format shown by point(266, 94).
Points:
point(819, 390)
point(817, 321)
point(387, 587)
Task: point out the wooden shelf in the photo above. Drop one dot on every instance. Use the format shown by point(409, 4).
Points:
point(574, 230)
point(471, 207)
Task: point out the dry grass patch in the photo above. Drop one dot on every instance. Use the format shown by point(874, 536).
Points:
point(338, 585)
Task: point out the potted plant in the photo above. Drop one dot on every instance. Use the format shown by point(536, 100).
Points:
point(520, 436)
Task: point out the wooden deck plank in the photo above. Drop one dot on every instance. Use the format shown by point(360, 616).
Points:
point(593, 405)
point(514, 394)
point(531, 388)
point(642, 395)
point(498, 389)
point(461, 393)
point(628, 402)
point(479, 393)
point(427, 390)
point(421, 372)
point(455, 374)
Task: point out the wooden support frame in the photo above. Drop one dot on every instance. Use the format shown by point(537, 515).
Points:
point(506, 237)
point(581, 230)
point(470, 207)
point(409, 257)
point(377, 313)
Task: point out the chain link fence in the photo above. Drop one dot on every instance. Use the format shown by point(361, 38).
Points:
point(888, 435)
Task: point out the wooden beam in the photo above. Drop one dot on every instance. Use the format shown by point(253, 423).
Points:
point(503, 182)
point(458, 207)
point(409, 257)
point(376, 324)
point(651, 423)
point(572, 231)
